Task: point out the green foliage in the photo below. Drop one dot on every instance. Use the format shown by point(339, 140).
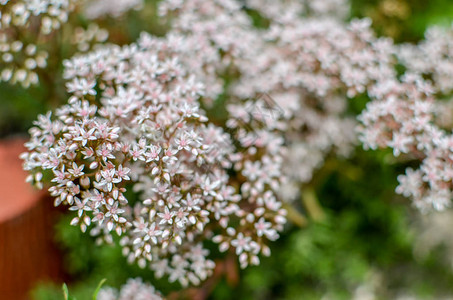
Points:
point(66, 292)
point(404, 20)
point(67, 296)
point(19, 108)
point(98, 288)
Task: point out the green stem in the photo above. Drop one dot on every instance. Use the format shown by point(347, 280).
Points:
point(311, 203)
point(295, 216)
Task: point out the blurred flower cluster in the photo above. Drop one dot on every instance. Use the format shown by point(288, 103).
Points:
point(100, 8)
point(412, 115)
point(432, 58)
point(134, 289)
point(23, 24)
point(28, 26)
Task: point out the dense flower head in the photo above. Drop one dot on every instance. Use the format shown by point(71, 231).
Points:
point(28, 26)
point(309, 66)
point(134, 289)
point(401, 108)
point(432, 57)
point(320, 56)
point(412, 117)
point(402, 117)
point(214, 36)
point(20, 57)
point(134, 122)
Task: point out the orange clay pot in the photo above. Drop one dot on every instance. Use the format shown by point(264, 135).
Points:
point(27, 252)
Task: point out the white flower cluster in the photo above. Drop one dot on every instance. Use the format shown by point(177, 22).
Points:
point(432, 57)
point(19, 62)
point(284, 10)
point(307, 66)
point(51, 13)
point(401, 117)
point(134, 289)
point(213, 37)
point(87, 39)
point(409, 116)
point(133, 122)
point(26, 27)
point(99, 8)
point(19, 59)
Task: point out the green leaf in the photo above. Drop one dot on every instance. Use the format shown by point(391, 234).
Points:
point(65, 291)
point(95, 295)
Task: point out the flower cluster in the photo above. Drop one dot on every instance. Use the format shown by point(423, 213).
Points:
point(28, 26)
point(87, 39)
point(283, 10)
point(134, 289)
point(99, 8)
point(133, 122)
point(212, 37)
point(32, 21)
point(307, 66)
point(51, 14)
point(400, 110)
point(432, 57)
point(408, 116)
point(20, 61)
point(401, 117)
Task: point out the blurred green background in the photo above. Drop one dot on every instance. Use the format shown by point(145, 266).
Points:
point(364, 241)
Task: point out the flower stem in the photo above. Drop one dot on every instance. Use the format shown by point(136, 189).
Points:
point(311, 204)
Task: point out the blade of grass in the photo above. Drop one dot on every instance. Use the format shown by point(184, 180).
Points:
point(95, 295)
point(65, 291)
